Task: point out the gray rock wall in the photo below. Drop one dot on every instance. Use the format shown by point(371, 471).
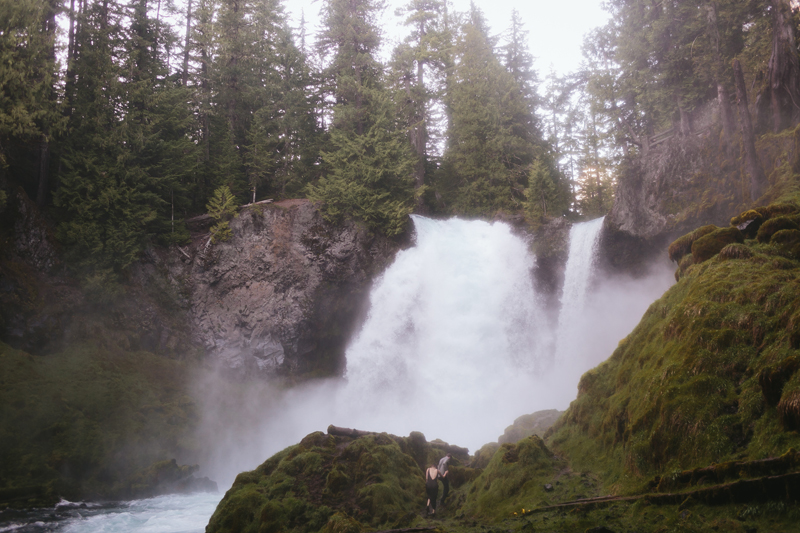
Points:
point(284, 294)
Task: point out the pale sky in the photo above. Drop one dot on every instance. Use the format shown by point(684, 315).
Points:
point(555, 28)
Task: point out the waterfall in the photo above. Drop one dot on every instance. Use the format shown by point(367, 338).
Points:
point(572, 333)
point(455, 337)
point(455, 345)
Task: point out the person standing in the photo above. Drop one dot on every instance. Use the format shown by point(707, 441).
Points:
point(432, 487)
point(443, 474)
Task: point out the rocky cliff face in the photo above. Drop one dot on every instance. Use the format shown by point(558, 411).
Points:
point(281, 297)
point(678, 185)
point(284, 294)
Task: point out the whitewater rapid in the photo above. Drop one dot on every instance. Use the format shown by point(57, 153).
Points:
point(173, 513)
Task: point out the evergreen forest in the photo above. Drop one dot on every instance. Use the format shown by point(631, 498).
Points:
point(123, 118)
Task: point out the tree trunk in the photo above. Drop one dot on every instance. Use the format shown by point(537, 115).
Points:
point(185, 78)
point(44, 164)
point(419, 133)
point(49, 29)
point(726, 113)
point(781, 96)
point(758, 181)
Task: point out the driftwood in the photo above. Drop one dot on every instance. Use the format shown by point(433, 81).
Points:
point(348, 432)
point(782, 487)
point(201, 218)
point(406, 530)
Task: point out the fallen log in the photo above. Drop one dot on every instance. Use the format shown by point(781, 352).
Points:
point(348, 432)
point(406, 530)
point(724, 471)
point(770, 488)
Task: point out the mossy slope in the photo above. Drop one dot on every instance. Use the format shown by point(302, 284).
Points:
point(83, 423)
point(707, 375)
point(521, 476)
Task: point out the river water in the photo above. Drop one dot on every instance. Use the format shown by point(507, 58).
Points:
point(164, 514)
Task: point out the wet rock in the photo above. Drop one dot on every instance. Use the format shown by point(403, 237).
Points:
point(284, 294)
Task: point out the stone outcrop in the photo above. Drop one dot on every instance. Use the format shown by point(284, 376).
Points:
point(673, 188)
point(283, 295)
point(533, 424)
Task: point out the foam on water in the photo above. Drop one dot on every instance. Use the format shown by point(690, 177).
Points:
point(165, 514)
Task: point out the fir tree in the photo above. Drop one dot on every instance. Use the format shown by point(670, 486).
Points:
point(490, 143)
point(369, 169)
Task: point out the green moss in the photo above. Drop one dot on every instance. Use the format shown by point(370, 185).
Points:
point(687, 387)
point(87, 422)
point(710, 244)
point(341, 523)
point(682, 246)
point(330, 482)
point(735, 251)
point(748, 223)
point(515, 478)
point(773, 225)
point(777, 209)
point(484, 455)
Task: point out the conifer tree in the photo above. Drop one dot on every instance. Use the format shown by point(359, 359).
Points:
point(369, 167)
point(284, 136)
point(30, 115)
point(488, 152)
point(423, 49)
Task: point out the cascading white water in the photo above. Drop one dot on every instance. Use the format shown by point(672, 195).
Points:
point(454, 338)
point(571, 335)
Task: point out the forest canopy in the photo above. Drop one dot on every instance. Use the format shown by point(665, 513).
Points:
point(123, 118)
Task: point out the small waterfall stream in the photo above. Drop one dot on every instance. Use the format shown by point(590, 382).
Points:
point(571, 331)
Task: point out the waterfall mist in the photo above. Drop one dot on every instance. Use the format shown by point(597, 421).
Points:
point(456, 345)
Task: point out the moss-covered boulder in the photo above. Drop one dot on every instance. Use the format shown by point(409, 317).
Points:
point(484, 455)
point(683, 245)
point(777, 209)
point(736, 251)
point(532, 424)
point(710, 244)
point(748, 222)
point(336, 484)
point(773, 225)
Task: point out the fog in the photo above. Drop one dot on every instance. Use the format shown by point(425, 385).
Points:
point(456, 345)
